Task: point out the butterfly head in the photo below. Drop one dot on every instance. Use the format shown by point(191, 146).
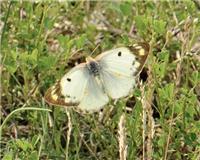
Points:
point(89, 59)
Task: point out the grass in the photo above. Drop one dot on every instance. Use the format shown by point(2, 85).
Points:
point(41, 41)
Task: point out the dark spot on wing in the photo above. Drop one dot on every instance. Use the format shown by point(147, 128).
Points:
point(62, 96)
point(137, 58)
point(69, 79)
point(133, 63)
point(119, 53)
point(60, 99)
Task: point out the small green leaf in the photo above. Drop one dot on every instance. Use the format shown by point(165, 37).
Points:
point(81, 41)
point(137, 92)
point(159, 26)
point(46, 62)
point(8, 156)
point(11, 62)
point(141, 23)
point(195, 77)
point(14, 55)
point(163, 56)
point(29, 59)
point(23, 144)
point(190, 112)
point(162, 140)
point(125, 40)
point(12, 67)
point(167, 92)
point(126, 8)
point(170, 90)
point(178, 107)
point(63, 40)
point(161, 68)
point(193, 136)
point(34, 56)
point(33, 155)
point(48, 23)
point(35, 140)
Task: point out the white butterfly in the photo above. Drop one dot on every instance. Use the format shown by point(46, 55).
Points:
point(111, 74)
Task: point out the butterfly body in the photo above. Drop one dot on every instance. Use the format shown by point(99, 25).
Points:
point(90, 85)
point(93, 66)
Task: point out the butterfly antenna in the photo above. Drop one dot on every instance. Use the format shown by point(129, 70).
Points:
point(94, 49)
point(75, 52)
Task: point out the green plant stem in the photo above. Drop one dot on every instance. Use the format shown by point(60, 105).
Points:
point(5, 25)
point(18, 110)
point(170, 131)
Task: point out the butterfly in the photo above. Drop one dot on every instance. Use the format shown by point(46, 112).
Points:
point(90, 85)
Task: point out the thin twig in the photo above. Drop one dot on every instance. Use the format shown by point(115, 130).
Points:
point(88, 147)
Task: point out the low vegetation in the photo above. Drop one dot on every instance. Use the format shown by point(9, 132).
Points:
point(41, 41)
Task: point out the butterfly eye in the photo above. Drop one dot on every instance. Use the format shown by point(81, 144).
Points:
point(69, 79)
point(119, 54)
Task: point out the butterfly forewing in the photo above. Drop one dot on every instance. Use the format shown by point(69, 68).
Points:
point(118, 61)
point(70, 89)
point(53, 96)
point(78, 88)
point(119, 68)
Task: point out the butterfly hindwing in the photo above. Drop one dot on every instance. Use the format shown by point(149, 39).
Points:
point(95, 97)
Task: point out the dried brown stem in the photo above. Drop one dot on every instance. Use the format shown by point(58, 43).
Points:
point(69, 126)
point(148, 121)
point(122, 138)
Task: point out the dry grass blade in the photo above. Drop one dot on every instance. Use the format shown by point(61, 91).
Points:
point(69, 126)
point(122, 138)
point(148, 120)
